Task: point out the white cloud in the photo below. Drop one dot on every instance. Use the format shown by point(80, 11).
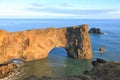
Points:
point(114, 12)
point(54, 11)
point(29, 14)
point(61, 7)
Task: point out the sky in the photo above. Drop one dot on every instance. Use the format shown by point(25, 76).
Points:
point(59, 9)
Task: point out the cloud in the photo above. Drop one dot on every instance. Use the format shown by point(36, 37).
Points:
point(37, 5)
point(48, 5)
point(63, 10)
point(29, 14)
point(66, 5)
point(114, 12)
point(68, 10)
point(71, 10)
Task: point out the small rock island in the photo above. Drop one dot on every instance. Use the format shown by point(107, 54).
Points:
point(95, 31)
point(101, 49)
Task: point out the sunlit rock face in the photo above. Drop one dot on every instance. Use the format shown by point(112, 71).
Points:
point(36, 44)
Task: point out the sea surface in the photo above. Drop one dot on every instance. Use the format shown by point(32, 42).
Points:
point(58, 64)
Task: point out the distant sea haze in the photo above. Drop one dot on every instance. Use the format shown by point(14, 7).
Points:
point(110, 40)
point(14, 25)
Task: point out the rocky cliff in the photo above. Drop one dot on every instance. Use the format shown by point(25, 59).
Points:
point(36, 44)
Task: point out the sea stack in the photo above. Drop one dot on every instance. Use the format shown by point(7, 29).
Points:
point(101, 49)
point(36, 44)
point(95, 31)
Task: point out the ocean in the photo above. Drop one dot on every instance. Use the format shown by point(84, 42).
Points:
point(58, 64)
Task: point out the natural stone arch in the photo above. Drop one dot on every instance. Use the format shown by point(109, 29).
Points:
point(36, 44)
point(59, 51)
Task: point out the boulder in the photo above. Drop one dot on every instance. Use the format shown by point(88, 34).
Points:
point(101, 60)
point(95, 31)
point(98, 61)
point(101, 49)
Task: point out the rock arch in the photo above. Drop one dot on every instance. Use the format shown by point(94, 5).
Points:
point(58, 51)
point(36, 44)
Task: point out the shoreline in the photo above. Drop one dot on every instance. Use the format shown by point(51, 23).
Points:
point(103, 70)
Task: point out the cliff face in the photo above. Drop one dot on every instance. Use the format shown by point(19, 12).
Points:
point(36, 44)
point(78, 42)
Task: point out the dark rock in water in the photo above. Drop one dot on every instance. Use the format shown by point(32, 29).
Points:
point(101, 49)
point(96, 63)
point(95, 30)
point(101, 60)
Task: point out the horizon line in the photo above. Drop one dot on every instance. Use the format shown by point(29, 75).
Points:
point(45, 18)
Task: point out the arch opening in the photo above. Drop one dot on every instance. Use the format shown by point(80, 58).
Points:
point(58, 51)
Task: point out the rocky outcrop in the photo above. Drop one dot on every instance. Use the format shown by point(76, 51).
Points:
point(101, 49)
point(98, 61)
point(10, 68)
point(36, 44)
point(7, 70)
point(95, 31)
point(105, 70)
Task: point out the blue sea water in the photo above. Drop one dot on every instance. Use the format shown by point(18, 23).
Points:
point(57, 63)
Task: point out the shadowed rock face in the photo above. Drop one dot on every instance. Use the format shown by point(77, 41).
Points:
point(78, 42)
point(36, 44)
point(95, 31)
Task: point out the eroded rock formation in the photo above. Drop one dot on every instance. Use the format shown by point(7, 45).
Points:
point(36, 44)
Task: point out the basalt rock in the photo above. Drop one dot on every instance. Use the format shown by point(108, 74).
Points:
point(95, 31)
point(98, 61)
point(105, 71)
point(36, 44)
point(101, 60)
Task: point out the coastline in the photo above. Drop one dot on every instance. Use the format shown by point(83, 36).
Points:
point(102, 71)
point(110, 43)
